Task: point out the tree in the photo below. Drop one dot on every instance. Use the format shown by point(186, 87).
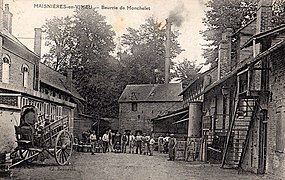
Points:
point(84, 42)
point(223, 14)
point(144, 54)
point(278, 12)
point(186, 71)
point(61, 42)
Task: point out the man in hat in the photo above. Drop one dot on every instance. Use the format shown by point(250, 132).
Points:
point(171, 147)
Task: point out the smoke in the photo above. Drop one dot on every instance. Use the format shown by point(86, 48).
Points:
point(176, 16)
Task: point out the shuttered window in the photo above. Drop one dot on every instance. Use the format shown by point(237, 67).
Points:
point(6, 70)
point(25, 71)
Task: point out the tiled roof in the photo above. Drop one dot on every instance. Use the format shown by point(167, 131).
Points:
point(10, 36)
point(151, 93)
point(56, 80)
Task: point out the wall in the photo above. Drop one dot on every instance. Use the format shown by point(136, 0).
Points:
point(16, 74)
point(7, 136)
point(276, 113)
point(81, 124)
point(140, 119)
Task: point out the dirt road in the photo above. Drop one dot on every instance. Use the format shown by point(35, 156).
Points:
point(111, 166)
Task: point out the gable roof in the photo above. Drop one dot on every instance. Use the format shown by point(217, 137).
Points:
point(152, 93)
point(56, 80)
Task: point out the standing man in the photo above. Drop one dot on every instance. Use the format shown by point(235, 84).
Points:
point(132, 143)
point(139, 143)
point(171, 147)
point(93, 141)
point(110, 143)
point(105, 140)
point(165, 143)
point(151, 145)
point(124, 141)
point(160, 144)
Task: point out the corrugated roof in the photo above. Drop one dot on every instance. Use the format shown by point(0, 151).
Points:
point(151, 93)
point(56, 80)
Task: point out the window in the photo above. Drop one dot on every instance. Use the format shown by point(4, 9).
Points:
point(46, 91)
point(52, 113)
point(24, 101)
point(134, 106)
point(41, 105)
point(25, 71)
point(58, 112)
point(46, 110)
point(6, 69)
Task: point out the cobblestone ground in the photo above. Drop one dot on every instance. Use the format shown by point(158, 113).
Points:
point(119, 166)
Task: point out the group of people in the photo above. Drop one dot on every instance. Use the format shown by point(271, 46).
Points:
point(167, 145)
point(141, 143)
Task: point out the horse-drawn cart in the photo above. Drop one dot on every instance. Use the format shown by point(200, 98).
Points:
point(39, 138)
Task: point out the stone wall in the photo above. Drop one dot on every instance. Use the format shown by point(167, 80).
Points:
point(140, 119)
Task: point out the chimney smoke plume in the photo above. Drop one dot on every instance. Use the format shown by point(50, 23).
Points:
point(176, 16)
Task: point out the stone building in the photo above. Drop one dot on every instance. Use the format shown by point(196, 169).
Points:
point(140, 103)
point(186, 122)
point(26, 81)
point(243, 124)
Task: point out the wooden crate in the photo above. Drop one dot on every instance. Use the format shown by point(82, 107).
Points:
point(179, 155)
point(181, 145)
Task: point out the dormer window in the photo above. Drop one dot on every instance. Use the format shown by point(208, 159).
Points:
point(25, 71)
point(6, 69)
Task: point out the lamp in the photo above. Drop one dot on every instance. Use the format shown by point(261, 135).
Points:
point(225, 90)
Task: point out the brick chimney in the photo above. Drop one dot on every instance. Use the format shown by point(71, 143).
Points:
point(167, 52)
point(224, 59)
point(38, 41)
point(263, 20)
point(264, 16)
point(7, 19)
point(37, 50)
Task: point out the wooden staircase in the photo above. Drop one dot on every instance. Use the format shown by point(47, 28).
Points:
point(238, 134)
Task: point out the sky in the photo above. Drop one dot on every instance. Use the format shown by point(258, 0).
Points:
point(30, 14)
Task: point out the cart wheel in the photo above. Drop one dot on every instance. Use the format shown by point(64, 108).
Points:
point(63, 147)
